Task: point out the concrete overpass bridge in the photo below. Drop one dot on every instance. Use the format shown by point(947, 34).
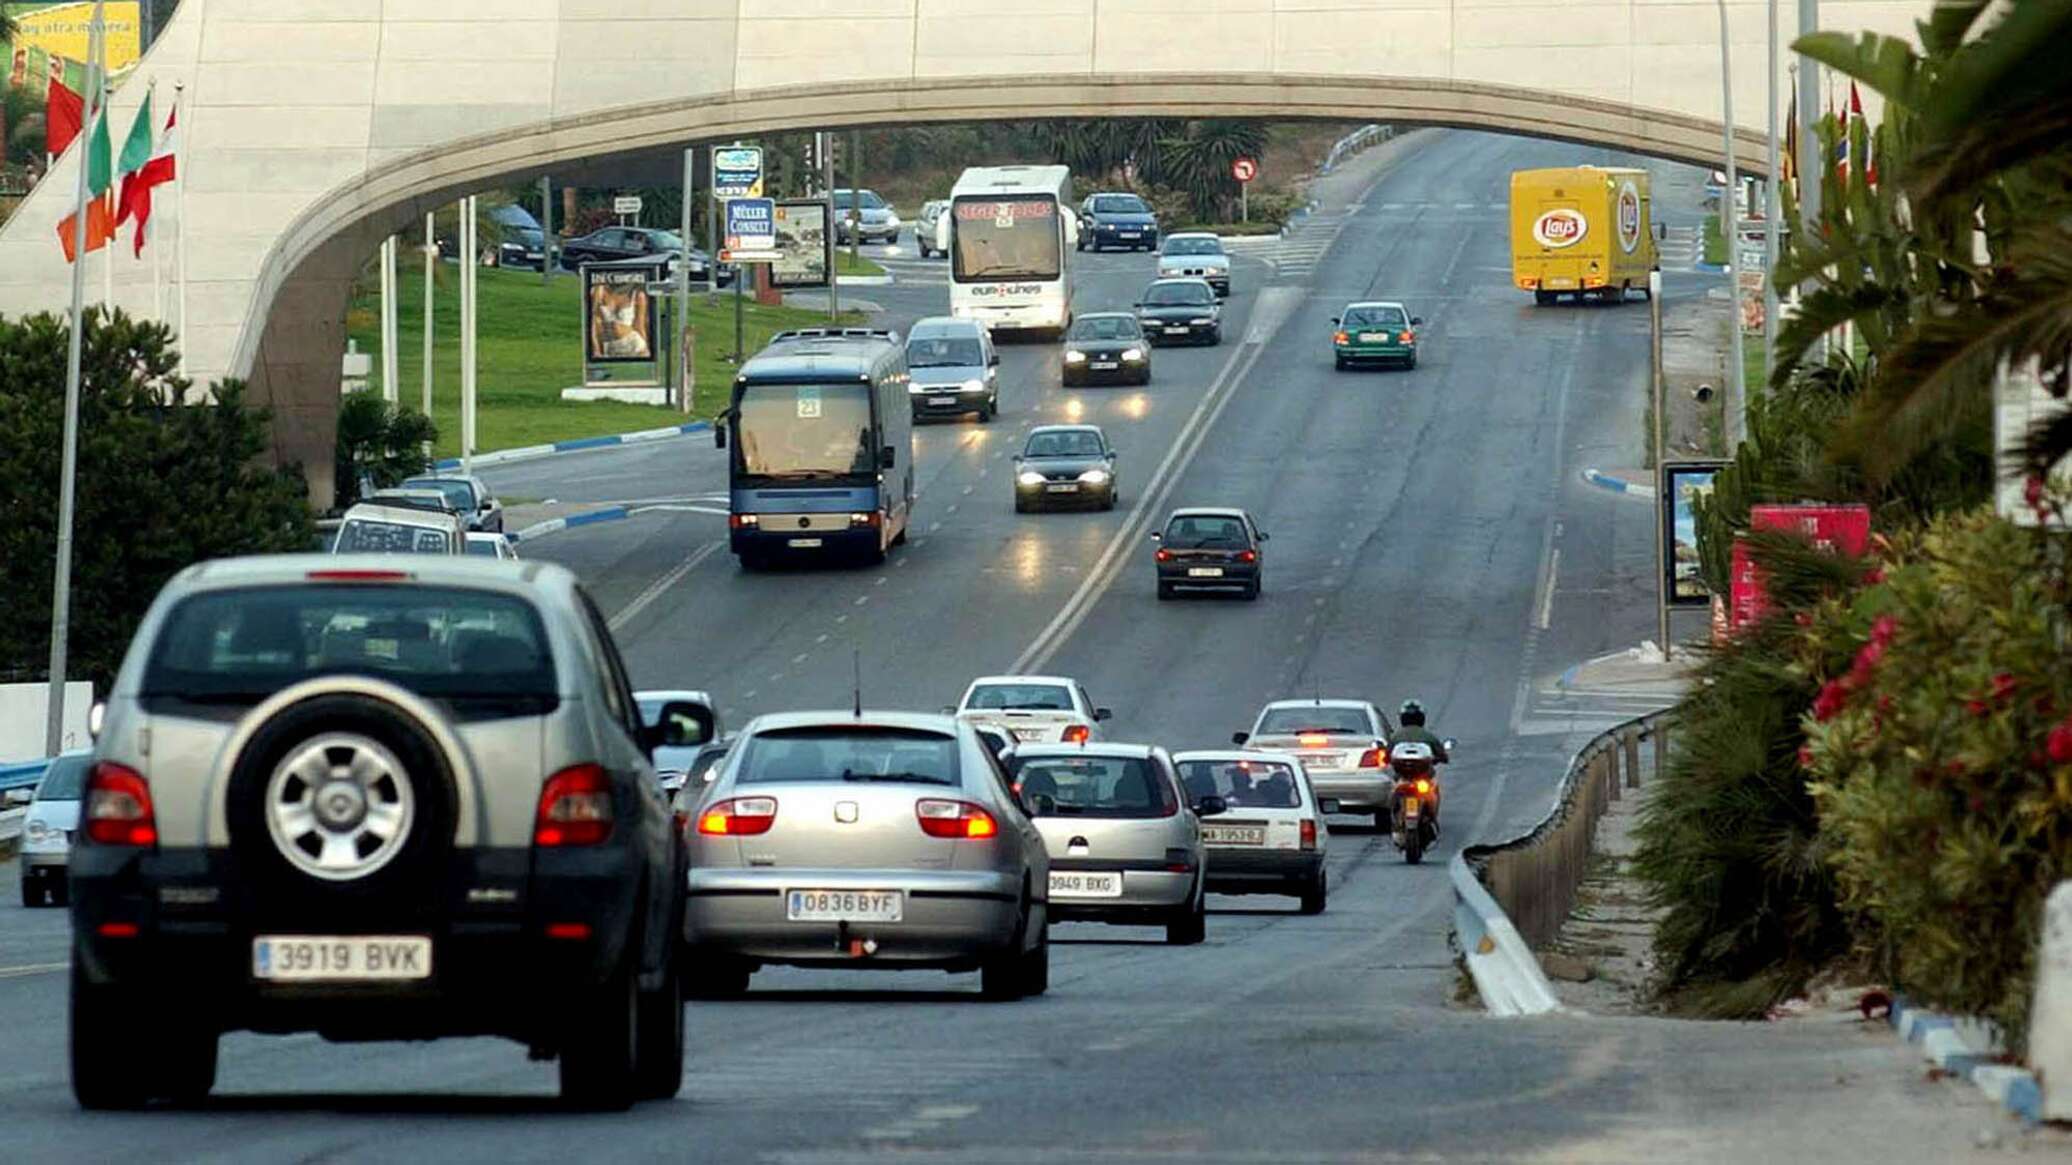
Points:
point(312, 129)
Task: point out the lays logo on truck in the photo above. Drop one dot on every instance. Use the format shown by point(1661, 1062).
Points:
point(1560, 227)
point(1581, 231)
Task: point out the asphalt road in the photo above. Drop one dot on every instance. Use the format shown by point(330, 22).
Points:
point(1430, 538)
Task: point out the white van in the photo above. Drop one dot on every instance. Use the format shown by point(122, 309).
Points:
point(374, 528)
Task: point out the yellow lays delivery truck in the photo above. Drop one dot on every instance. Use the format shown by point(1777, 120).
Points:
point(1581, 230)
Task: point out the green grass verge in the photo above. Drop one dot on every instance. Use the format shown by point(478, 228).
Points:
point(530, 348)
point(1715, 243)
point(844, 265)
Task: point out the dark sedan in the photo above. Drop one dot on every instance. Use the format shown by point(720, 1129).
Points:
point(1106, 348)
point(1173, 311)
point(1209, 547)
point(1065, 464)
point(1117, 220)
point(611, 244)
point(522, 247)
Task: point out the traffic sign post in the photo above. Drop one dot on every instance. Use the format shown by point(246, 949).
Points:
point(1244, 170)
point(737, 172)
point(627, 205)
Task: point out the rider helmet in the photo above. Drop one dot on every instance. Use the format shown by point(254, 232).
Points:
point(1412, 712)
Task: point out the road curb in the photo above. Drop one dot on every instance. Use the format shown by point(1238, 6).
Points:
point(1709, 268)
point(885, 280)
point(1943, 1042)
point(575, 445)
point(1604, 480)
point(556, 525)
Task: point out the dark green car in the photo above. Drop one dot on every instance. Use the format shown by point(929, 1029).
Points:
point(1374, 333)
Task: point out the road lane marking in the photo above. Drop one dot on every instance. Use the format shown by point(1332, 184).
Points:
point(1547, 585)
point(661, 585)
point(1276, 305)
point(27, 969)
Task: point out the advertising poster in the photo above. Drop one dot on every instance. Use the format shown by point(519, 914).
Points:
point(737, 172)
point(619, 314)
point(1842, 529)
point(55, 36)
point(805, 247)
point(1681, 484)
point(751, 230)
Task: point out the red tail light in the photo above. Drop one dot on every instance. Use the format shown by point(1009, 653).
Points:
point(358, 575)
point(1374, 758)
point(739, 817)
point(569, 931)
point(1340, 338)
point(117, 806)
point(1309, 834)
point(1163, 556)
point(1248, 556)
point(575, 808)
point(1077, 734)
point(1408, 337)
point(744, 522)
point(941, 818)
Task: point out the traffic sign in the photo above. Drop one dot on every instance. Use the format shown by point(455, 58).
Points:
point(1244, 169)
point(626, 204)
point(751, 230)
point(737, 172)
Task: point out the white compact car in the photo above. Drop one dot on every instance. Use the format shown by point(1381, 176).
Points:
point(1032, 709)
point(1271, 839)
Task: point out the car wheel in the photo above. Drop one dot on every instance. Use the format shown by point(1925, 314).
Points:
point(1165, 590)
point(1191, 924)
point(57, 892)
point(1338, 362)
point(186, 1061)
point(754, 563)
point(1035, 968)
point(986, 411)
point(1316, 893)
point(714, 977)
point(1543, 298)
point(32, 892)
point(598, 1052)
point(659, 1042)
point(1021, 505)
point(107, 1071)
point(1410, 363)
point(1251, 591)
point(1114, 497)
point(1215, 336)
point(1004, 976)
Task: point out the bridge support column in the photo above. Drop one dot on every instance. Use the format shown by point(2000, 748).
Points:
point(296, 373)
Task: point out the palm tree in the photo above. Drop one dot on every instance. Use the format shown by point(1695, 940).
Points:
point(1198, 161)
point(1983, 154)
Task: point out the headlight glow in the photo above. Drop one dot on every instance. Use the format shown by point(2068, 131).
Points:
point(1133, 354)
point(1198, 320)
point(36, 831)
point(974, 385)
point(1029, 477)
point(1094, 476)
point(1075, 357)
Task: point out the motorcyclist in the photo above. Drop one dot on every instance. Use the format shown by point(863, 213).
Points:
point(1412, 718)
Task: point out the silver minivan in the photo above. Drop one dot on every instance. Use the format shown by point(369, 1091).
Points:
point(955, 369)
point(1125, 843)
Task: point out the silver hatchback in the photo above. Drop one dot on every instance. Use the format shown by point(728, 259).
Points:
point(873, 841)
point(1126, 844)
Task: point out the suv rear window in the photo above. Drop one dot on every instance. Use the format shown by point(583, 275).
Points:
point(838, 754)
point(1242, 783)
point(441, 642)
point(1095, 786)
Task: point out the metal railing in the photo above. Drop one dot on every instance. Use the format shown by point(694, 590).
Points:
point(1535, 877)
point(1353, 143)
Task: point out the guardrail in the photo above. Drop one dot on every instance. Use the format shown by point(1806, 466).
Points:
point(21, 776)
point(1352, 143)
point(1511, 897)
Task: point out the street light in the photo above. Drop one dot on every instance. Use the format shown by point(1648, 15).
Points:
point(1737, 375)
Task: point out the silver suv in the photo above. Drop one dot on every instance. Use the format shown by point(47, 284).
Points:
point(376, 798)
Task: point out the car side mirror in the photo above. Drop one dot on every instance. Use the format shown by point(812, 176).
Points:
point(1416, 321)
point(888, 457)
point(487, 505)
point(993, 358)
point(1157, 536)
point(1240, 737)
point(719, 434)
point(1334, 319)
point(1265, 537)
point(1103, 714)
point(1661, 230)
point(1110, 455)
point(1327, 804)
point(1211, 806)
point(949, 710)
point(16, 798)
point(1449, 744)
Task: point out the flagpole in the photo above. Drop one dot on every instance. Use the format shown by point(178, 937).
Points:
point(180, 235)
point(144, 228)
point(1773, 216)
point(61, 587)
point(1737, 375)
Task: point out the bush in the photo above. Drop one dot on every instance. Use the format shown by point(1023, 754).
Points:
point(164, 481)
point(1941, 746)
point(380, 442)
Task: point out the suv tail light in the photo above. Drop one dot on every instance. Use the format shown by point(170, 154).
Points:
point(941, 818)
point(575, 808)
point(739, 817)
point(1162, 555)
point(117, 806)
point(1248, 556)
point(1077, 734)
point(1309, 834)
point(1374, 758)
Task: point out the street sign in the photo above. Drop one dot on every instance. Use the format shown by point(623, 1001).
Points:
point(751, 235)
point(626, 204)
point(1244, 169)
point(737, 172)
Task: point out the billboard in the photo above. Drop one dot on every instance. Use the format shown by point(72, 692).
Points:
point(55, 37)
point(1836, 529)
point(751, 234)
point(1681, 484)
point(737, 172)
point(619, 313)
point(805, 247)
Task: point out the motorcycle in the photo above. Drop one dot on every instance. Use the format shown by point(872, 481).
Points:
point(1416, 798)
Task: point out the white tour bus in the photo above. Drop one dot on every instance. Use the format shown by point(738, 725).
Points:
point(1010, 235)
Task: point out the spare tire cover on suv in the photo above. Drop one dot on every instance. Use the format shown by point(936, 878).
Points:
point(344, 797)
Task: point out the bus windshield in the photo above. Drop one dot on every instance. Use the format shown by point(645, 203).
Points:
point(1007, 238)
point(805, 431)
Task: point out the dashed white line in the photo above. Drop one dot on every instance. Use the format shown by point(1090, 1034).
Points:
point(798, 659)
point(822, 638)
point(862, 599)
point(661, 586)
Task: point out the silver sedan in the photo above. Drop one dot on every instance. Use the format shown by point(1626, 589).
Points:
point(879, 841)
point(1126, 842)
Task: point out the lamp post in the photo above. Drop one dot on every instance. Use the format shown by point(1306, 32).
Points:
point(1737, 375)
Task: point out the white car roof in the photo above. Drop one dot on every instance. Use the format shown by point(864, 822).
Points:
point(1060, 681)
point(402, 516)
point(1256, 756)
point(1376, 303)
point(843, 718)
point(1194, 235)
point(1106, 748)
